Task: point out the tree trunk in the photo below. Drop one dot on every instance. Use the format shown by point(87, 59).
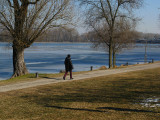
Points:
point(110, 54)
point(110, 57)
point(19, 66)
point(114, 59)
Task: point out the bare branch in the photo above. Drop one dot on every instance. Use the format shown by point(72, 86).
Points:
point(9, 2)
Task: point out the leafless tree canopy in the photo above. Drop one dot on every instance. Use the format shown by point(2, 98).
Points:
point(124, 35)
point(26, 20)
point(104, 16)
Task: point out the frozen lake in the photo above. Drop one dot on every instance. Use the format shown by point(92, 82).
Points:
point(49, 57)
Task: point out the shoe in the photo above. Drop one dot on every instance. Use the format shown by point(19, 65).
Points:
point(71, 78)
point(63, 78)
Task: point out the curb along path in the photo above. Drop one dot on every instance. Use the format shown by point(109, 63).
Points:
point(22, 85)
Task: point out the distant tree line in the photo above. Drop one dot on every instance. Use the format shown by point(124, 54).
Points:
point(148, 37)
point(54, 35)
point(63, 35)
point(72, 35)
point(139, 37)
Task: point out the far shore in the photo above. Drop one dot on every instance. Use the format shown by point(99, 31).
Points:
point(142, 42)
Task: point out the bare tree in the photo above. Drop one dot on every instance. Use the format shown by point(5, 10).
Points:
point(108, 12)
point(26, 20)
point(124, 37)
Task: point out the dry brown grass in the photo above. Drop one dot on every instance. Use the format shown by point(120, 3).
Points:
point(114, 97)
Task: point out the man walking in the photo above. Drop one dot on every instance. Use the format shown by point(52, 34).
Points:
point(68, 66)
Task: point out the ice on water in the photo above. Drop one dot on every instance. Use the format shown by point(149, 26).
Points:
point(49, 57)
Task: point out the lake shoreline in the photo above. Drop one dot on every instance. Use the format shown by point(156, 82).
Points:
point(49, 57)
point(32, 80)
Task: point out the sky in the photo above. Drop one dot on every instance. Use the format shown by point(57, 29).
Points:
point(150, 15)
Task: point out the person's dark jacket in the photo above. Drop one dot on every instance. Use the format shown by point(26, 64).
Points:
point(68, 64)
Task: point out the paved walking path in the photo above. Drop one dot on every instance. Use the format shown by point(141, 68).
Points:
point(22, 85)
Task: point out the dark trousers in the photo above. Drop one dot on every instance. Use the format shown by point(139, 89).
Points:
point(67, 73)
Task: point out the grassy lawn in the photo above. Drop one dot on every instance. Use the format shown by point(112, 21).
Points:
point(114, 97)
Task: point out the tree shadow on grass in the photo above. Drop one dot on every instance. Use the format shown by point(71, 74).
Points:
point(100, 109)
point(92, 95)
point(126, 110)
point(77, 109)
point(47, 102)
point(121, 92)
